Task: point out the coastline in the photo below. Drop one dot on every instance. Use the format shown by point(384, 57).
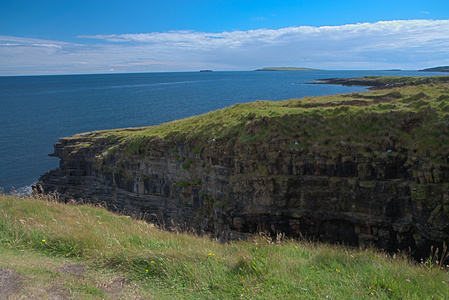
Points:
point(36, 117)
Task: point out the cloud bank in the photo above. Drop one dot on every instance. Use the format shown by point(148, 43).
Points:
point(405, 44)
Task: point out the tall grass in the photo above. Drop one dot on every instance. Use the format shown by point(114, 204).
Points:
point(183, 266)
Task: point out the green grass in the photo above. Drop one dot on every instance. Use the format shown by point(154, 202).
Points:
point(39, 237)
point(374, 120)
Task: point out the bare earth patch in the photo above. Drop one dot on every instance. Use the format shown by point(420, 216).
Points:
point(9, 283)
point(56, 292)
point(73, 269)
point(113, 287)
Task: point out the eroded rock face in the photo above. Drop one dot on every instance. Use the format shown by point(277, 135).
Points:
point(391, 200)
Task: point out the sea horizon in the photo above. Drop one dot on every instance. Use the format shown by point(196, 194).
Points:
point(217, 71)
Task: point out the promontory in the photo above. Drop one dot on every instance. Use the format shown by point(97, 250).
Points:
point(363, 169)
point(436, 69)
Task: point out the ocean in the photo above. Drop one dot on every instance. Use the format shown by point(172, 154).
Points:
point(37, 110)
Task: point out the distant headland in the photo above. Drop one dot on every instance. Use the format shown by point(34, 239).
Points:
point(436, 69)
point(287, 69)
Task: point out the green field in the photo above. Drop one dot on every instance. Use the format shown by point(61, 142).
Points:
point(49, 249)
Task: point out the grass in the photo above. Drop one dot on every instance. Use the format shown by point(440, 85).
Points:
point(41, 239)
point(403, 118)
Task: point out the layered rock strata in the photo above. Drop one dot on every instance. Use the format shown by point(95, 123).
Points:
point(393, 200)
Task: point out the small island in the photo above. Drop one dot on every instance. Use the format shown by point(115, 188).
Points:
point(287, 69)
point(205, 71)
point(436, 69)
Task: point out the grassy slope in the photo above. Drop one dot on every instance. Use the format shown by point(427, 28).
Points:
point(370, 120)
point(46, 242)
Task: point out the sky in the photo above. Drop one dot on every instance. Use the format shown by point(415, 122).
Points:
point(42, 37)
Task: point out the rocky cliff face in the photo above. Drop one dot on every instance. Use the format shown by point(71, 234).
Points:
point(393, 200)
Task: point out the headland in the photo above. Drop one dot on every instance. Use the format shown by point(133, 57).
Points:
point(363, 169)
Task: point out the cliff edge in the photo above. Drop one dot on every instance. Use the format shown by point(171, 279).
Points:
point(360, 169)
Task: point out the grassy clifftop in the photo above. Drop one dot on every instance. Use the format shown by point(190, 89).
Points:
point(412, 116)
point(54, 250)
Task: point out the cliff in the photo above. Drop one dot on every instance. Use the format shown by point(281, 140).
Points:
point(360, 169)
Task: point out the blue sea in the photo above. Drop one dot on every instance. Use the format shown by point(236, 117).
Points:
point(37, 110)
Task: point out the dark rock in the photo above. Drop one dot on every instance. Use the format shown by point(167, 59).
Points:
point(384, 201)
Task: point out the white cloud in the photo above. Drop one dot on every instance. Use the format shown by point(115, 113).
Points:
point(47, 46)
point(407, 44)
point(384, 29)
point(19, 41)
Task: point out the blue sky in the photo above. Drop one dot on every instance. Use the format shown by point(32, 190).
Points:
point(102, 36)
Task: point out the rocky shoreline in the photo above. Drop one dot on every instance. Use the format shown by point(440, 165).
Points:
point(369, 83)
point(379, 82)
